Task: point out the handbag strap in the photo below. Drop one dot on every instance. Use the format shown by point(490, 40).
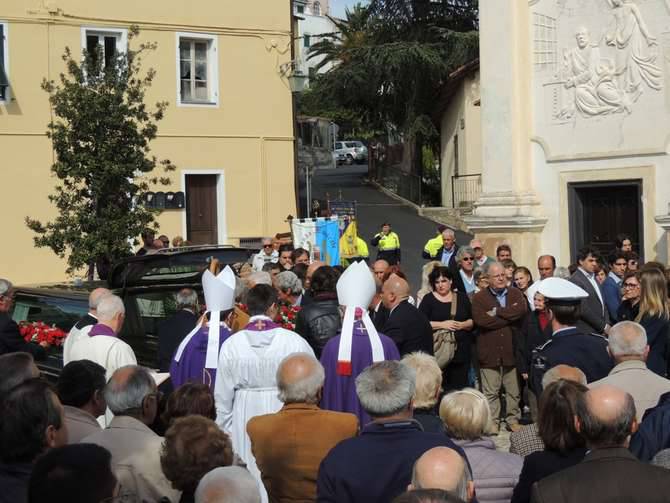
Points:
point(454, 305)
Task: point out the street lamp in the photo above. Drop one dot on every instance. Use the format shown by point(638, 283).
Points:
point(297, 80)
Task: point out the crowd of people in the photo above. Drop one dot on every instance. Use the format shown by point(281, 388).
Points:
point(293, 380)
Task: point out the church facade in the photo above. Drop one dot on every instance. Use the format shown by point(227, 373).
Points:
point(575, 114)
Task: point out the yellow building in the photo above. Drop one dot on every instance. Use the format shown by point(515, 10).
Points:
point(229, 127)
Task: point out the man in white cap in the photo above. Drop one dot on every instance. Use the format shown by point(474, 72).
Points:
point(197, 356)
point(246, 382)
point(358, 346)
point(568, 345)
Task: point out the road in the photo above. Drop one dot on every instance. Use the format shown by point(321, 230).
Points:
point(375, 208)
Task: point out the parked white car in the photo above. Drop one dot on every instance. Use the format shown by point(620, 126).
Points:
point(350, 152)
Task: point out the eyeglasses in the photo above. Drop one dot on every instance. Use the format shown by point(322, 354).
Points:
point(267, 246)
point(467, 259)
point(631, 285)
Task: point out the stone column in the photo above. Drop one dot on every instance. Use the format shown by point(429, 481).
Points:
point(663, 247)
point(508, 209)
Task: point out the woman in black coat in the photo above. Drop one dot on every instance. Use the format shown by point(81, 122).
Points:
point(563, 445)
point(436, 305)
point(320, 320)
point(654, 316)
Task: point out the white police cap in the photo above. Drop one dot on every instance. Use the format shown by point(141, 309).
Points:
point(559, 290)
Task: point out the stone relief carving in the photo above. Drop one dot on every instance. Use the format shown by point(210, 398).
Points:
point(591, 85)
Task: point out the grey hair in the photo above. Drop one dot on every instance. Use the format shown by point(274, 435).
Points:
point(187, 297)
point(288, 279)
point(386, 388)
point(554, 374)
point(449, 231)
point(305, 390)
point(5, 286)
point(228, 484)
point(260, 278)
point(96, 296)
point(562, 272)
point(487, 267)
point(428, 378)
point(109, 306)
point(463, 251)
point(627, 338)
point(127, 396)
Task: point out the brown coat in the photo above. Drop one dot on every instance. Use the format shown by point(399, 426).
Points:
point(290, 445)
point(495, 342)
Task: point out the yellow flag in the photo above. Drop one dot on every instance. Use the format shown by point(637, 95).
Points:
point(348, 245)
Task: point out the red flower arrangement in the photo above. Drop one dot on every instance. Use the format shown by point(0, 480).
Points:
point(286, 316)
point(41, 333)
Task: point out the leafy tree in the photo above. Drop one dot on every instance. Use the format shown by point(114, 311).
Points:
point(104, 166)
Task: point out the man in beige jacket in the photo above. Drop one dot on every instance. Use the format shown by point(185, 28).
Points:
point(627, 343)
point(132, 396)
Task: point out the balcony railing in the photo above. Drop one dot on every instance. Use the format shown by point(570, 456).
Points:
point(465, 190)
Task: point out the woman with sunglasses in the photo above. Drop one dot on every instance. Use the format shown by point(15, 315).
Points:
point(465, 258)
point(437, 306)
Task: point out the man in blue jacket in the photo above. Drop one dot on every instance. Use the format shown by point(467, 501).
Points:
point(376, 466)
point(611, 287)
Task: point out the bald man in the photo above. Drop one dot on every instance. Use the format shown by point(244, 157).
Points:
point(609, 472)
point(442, 468)
point(406, 325)
point(84, 325)
point(290, 444)
point(227, 484)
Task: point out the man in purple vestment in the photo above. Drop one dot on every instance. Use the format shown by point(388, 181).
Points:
point(358, 345)
point(197, 356)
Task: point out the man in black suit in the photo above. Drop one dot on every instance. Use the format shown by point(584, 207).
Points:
point(173, 330)
point(447, 255)
point(11, 340)
point(594, 317)
point(406, 325)
point(609, 472)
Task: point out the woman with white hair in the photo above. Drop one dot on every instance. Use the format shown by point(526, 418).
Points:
point(467, 418)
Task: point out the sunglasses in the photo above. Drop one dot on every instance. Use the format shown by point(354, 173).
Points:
point(267, 246)
point(467, 259)
point(630, 285)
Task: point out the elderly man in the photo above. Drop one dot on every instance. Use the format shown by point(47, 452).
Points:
point(32, 423)
point(132, 396)
point(103, 346)
point(289, 288)
point(627, 343)
point(406, 325)
point(173, 330)
point(228, 484)
point(443, 468)
point(10, 338)
point(527, 440)
point(609, 472)
point(84, 325)
point(16, 368)
point(80, 389)
point(266, 255)
point(497, 312)
point(481, 259)
point(246, 383)
point(290, 444)
point(428, 389)
point(593, 315)
point(377, 465)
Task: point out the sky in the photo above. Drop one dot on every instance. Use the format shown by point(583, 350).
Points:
point(337, 6)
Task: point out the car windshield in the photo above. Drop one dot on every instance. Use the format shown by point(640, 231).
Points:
point(60, 312)
point(352, 144)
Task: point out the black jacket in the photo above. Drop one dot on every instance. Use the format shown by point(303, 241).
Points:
point(539, 465)
point(653, 435)
point(410, 329)
point(610, 475)
point(11, 340)
point(170, 334)
point(531, 337)
point(319, 321)
point(14, 482)
point(379, 317)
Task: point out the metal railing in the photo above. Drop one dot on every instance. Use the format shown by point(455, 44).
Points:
point(406, 185)
point(465, 190)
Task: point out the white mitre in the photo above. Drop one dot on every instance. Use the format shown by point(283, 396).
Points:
point(219, 293)
point(355, 289)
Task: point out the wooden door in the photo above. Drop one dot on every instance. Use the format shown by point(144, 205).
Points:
point(600, 211)
point(201, 206)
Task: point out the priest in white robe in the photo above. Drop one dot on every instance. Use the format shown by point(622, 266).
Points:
point(84, 325)
point(246, 384)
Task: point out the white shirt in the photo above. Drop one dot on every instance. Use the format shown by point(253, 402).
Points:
point(74, 335)
point(261, 258)
point(110, 352)
point(592, 279)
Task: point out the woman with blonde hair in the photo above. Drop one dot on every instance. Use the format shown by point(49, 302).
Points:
point(654, 316)
point(467, 418)
point(425, 282)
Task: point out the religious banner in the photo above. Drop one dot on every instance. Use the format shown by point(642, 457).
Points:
point(349, 238)
point(342, 208)
point(320, 237)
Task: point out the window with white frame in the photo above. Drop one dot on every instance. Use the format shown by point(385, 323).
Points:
point(197, 69)
point(111, 42)
point(4, 63)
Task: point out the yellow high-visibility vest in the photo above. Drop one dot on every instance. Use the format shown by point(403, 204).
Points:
point(389, 242)
point(433, 245)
